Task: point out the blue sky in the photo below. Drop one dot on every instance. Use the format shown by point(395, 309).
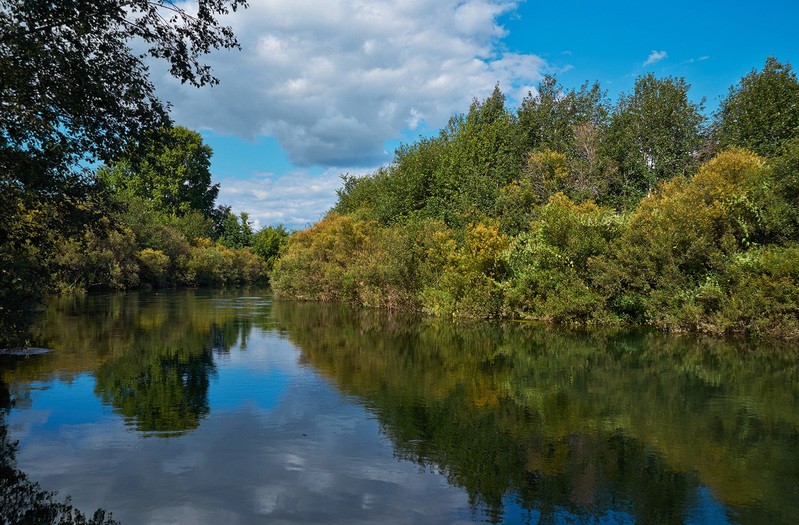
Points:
point(323, 88)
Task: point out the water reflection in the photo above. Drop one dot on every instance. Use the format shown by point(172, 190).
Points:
point(532, 425)
point(647, 425)
point(151, 354)
point(23, 501)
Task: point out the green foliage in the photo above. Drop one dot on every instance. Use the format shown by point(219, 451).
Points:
point(169, 171)
point(73, 92)
point(516, 206)
point(154, 265)
point(548, 120)
point(670, 264)
point(549, 265)
point(785, 185)
point(653, 134)
point(325, 262)
point(761, 112)
point(213, 264)
point(236, 230)
point(268, 244)
point(104, 258)
point(468, 284)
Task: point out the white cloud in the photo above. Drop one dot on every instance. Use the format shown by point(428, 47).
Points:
point(333, 80)
point(296, 199)
point(655, 56)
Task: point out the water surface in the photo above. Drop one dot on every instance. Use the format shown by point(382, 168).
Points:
point(193, 407)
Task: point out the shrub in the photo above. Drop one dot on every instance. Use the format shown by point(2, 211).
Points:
point(153, 265)
point(550, 277)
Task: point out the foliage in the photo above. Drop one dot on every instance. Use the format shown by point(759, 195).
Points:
point(236, 230)
point(326, 261)
point(467, 285)
point(269, 243)
point(549, 265)
point(761, 112)
point(72, 87)
point(170, 172)
point(211, 264)
point(32, 232)
point(675, 265)
point(549, 119)
point(653, 134)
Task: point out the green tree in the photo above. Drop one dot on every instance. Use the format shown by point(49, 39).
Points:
point(548, 118)
point(761, 112)
point(654, 133)
point(235, 230)
point(483, 153)
point(72, 88)
point(172, 173)
point(269, 242)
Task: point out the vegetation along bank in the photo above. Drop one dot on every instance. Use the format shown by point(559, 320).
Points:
point(574, 210)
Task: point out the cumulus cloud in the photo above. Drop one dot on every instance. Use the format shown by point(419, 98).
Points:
point(295, 199)
point(655, 56)
point(333, 80)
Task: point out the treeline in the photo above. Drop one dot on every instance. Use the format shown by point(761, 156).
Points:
point(574, 210)
point(147, 220)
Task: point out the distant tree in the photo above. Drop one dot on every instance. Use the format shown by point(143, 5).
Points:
point(654, 133)
point(235, 231)
point(269, 242)
point(761, 112)
point(172, 172)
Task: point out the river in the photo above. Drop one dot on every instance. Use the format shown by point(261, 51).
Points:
point(228, 407)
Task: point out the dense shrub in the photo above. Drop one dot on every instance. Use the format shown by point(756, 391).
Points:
point(550, 278)
point(467, 286)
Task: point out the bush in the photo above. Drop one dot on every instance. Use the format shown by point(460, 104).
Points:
point(153, 265)
point(550, 277)
point(668, 268)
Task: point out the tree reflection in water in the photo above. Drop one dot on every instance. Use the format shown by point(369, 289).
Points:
point(589, 424)
point(556, 425)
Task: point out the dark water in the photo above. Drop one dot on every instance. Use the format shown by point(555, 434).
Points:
point(193, 407)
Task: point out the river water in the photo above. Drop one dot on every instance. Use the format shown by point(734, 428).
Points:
point(226, 407)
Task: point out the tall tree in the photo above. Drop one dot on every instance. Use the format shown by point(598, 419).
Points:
point(654, 133)
point(761, 112)
point(173, 173)
point(482, 155)
point(548, 119)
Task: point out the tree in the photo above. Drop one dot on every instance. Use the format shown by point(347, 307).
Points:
point(72, 89)
point(235, 231)
point(762, 111)
point(269, 242)
point(654, 133)
point(173, 174)
point(483, 154)
point(548, 118)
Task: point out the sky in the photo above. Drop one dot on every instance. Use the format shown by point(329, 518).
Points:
point(323, 88)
